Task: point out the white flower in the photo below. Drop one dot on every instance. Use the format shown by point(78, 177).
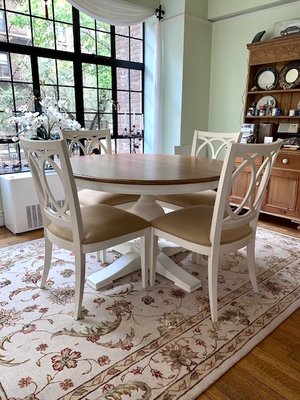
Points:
point(46, 125)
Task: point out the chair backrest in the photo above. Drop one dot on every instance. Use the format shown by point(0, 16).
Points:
point(65, 213)
point(256, 160)
point(88, 142)
point(213, 144)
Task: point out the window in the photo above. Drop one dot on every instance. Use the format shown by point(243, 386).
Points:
point(97, 68)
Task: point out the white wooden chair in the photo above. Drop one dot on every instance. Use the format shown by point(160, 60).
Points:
point(205, 144)
point(79, 229)
point(95, 142)
point(212, 231)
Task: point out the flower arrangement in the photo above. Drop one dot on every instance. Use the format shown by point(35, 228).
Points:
point(44, 125)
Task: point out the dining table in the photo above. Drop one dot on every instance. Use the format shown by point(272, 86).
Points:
point(147, 175)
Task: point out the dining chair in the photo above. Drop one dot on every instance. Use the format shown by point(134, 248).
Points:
point(89, 142)
point(81, 230)
point(95, 142)
point(204, 144)
point(212, 231)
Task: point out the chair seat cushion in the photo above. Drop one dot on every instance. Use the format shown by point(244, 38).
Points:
point(100, 223)
point(193, 224)
point(207, 198)
point(88, 197)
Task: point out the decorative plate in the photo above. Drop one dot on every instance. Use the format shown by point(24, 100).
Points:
point(266, 78)
point(289, 76)
point(266, 100)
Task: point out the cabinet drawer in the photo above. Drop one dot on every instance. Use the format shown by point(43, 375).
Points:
point(288, 160)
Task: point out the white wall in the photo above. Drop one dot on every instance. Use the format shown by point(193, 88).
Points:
point(229, 62)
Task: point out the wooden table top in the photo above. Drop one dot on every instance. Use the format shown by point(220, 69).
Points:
point(146, 169)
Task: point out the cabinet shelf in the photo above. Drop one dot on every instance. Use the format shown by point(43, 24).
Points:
point(264, 92)
point(271, 117)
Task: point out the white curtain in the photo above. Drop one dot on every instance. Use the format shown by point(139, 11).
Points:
point(114, 12)
point(122, 12)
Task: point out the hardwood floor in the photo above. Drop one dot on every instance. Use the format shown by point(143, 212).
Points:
point(271, 371)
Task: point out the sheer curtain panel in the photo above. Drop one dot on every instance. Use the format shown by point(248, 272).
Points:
point(114, 12)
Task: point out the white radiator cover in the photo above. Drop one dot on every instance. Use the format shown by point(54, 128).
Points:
point(22, 211)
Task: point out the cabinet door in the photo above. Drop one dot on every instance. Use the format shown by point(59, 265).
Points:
point(283, 194)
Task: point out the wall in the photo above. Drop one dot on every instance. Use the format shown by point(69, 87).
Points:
point(230, 60)
point(196, 70)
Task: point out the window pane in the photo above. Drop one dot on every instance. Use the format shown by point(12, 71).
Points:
point(64, 37)
point(122, 78)
point(106, 121)
point(43, 35)
point(102, 26)
point(122, 48)
point(49, 91)
point(3, 37)
point(62, 11)
point(68, 94)
point(90, 100)
point(136, 102)
point(103, 44)
point(21, 68)
point(105, 103)
point(47, 70)
point(4, 66)
point(135, 79)
point(88, 41)
point(136, 31)
point(122, 30)
point(23, 95)
point(86, 21)
point(19, 29)
point(89, 75)
point(104, 76)
point(123, 99)
point(136, 50)
point(123, 124)
point(38, 8)
point(65, 73)
point(6, 96)
point(18, 6)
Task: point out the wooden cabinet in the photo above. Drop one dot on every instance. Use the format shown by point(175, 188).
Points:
point(279, 57)
point(283, 192)
point(279, 60)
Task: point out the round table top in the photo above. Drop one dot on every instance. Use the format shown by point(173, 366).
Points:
point(146, 169)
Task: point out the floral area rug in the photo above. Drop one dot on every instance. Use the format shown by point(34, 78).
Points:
point(157, 343)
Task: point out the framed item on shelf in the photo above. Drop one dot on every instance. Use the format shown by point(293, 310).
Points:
point(266, 78)
point(288, 27)
point(289, 76)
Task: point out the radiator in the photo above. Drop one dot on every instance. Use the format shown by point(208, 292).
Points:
point(22, 211)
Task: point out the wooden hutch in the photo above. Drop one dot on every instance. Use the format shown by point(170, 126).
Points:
point(272, 107)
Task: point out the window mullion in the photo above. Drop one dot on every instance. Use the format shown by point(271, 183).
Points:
point(78, 80)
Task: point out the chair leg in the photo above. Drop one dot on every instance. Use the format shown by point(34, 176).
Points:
point(251, 264)
point(47, 261)
point(101, 256)
point(196, 258)
point(79, 282)
point(213, 264)
point(153, 257)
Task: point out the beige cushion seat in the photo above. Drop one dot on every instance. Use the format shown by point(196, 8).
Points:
point(101, 222)
point(88, 197)
point(194, 225)
point(207, 198)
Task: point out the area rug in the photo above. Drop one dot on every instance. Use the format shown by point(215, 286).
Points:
point(134, 343)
